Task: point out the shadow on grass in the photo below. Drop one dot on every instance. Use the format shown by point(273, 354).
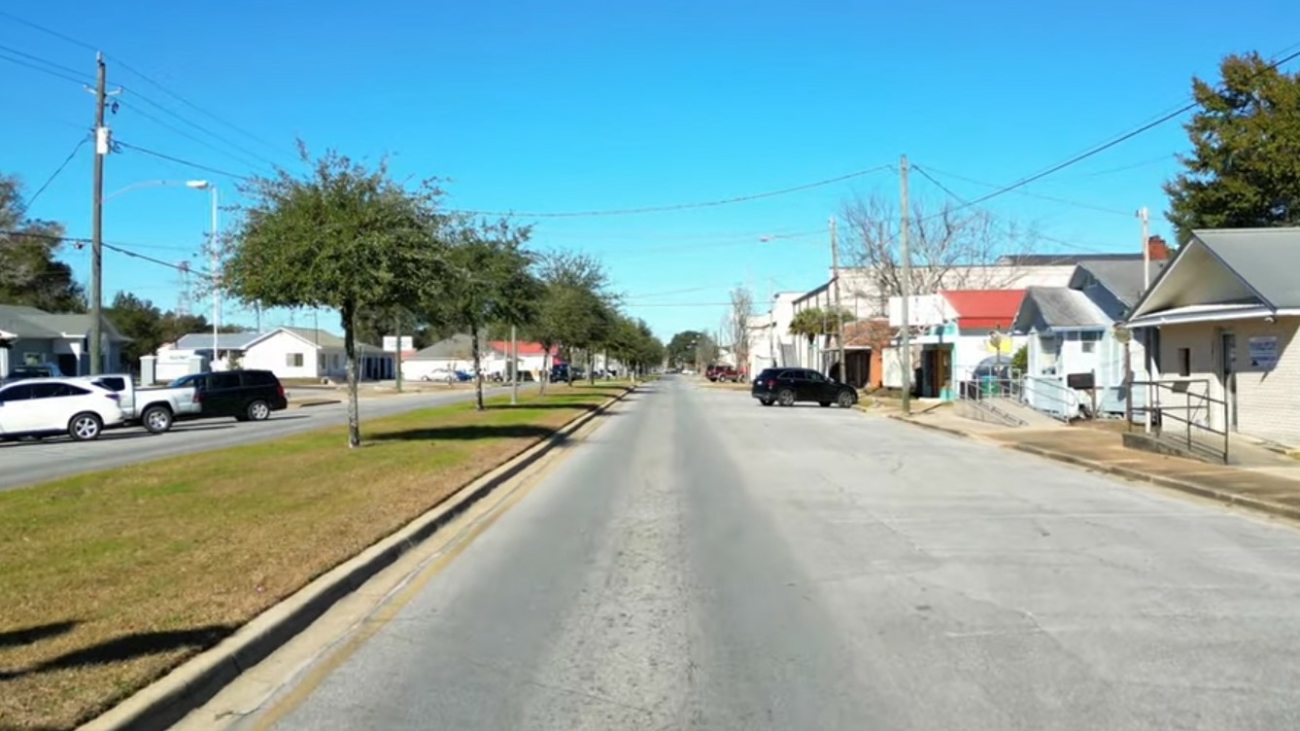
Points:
point(540, 407)
point(467, 433)
point(28, 635)
point(127, 647)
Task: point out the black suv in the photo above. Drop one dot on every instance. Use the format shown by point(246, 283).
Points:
point(23, 372)
point(245, 395)
point(788, 386)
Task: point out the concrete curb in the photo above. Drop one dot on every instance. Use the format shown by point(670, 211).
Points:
point(932, 427)
point(161, 704)
point(314, 402)
point(1191, 488)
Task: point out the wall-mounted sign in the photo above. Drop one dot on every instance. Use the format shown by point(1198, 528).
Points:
point(1263, 352)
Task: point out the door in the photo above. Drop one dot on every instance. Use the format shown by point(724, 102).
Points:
point(120, 385)
point(1228, 378)
point(18, 411)
point(224, 394)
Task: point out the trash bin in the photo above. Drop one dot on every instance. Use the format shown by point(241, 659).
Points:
point(988, 385)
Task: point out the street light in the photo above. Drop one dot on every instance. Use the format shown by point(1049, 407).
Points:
point(216, 263)
point(97, 324)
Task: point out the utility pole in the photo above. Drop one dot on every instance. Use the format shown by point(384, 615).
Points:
point(215, 244)
point(839, 310)
point(905, 255)
point(97, 222)
point(1146, 249)
point(398, 359)
point(514, 366)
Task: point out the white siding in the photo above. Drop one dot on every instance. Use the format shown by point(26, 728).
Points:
point(1266, 400)
point(273, 353)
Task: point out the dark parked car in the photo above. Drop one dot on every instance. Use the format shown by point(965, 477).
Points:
point(23, 372)
point(245, 395)
point(788, 386)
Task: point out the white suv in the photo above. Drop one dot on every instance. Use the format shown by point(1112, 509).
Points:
point(48, 406)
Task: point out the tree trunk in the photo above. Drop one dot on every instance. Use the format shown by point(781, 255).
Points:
point(591, 366)
point(545, 375)
point(478, 367)
point(350, 349)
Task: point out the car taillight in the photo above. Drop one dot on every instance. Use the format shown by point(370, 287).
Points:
point(771, 383)
point(198, 396)
point(279, 387)
point(113, 396)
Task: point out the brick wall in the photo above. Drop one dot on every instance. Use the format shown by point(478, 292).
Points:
point(1268, 402)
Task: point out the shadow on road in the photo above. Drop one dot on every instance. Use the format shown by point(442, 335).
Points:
point(28, 635)
point(126, 647)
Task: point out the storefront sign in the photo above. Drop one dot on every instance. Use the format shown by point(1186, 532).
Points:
point(1263, 352)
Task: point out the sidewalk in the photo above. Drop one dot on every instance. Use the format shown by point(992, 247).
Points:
point(1268, 485)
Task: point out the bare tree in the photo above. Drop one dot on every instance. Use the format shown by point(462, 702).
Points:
point(951, 248)
point(742, 317)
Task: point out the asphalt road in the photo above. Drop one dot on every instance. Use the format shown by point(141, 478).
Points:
point(705, 563)
point(28, 462)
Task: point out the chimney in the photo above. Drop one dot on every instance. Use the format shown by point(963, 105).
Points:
point(1157, 249)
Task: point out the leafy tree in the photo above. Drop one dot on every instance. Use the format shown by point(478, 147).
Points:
point(1020, 359)
point(492, 284)
point(1244, 167)
point(343, 236)
point(30, 273)
point(574, 307)
point(138, 319)
point(681, 348)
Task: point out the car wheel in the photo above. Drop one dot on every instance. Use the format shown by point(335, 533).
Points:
point(157, 419)
point(258, 411)
point(785, 397)
point(846, 400)
point(85, 427)
point(824, 404)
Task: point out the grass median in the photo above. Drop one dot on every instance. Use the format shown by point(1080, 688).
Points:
point(110, 579)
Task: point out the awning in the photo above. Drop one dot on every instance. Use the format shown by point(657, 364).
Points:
point(1191, 314)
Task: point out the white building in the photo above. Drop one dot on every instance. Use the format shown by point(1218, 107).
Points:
point(288, 352)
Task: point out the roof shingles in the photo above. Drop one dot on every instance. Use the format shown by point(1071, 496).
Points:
point(985, 308)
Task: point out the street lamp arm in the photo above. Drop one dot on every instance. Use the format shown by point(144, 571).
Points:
point(154, 183)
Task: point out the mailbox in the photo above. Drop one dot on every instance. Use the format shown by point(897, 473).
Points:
point(1081, 381)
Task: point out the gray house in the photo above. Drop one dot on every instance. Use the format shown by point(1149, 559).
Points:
point(1072, 331)
point(32, 336)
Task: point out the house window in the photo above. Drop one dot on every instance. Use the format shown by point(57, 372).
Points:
point(293, 360)
point(1184, 362)
point(1089, 341)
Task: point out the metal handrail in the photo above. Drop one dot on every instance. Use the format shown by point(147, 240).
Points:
point(1058, 393)
point(1194, 404)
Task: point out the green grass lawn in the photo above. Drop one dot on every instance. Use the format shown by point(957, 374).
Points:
point(110, 579)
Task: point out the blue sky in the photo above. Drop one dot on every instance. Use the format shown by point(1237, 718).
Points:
point(587, 105)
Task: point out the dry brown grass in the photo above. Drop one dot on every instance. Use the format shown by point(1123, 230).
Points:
point(110, 579)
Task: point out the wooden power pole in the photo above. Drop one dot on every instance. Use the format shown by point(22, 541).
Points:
point(905, 256)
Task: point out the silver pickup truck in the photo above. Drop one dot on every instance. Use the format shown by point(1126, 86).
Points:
point(156, 409)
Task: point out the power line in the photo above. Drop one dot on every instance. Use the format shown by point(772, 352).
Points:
point(42, 69)
point(680, 206)
point(961, 200)
point(140, 97)
point(127, 67)
point(47, 31)
point(180, 161)
point(1064, 201)
point(38, 59)
point(120, 248)
point(131, 69)
point(194, 138)
point(1102, 147)
point(76, 148)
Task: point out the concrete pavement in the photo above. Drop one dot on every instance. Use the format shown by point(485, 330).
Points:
point(703, 562)
point(28, 462)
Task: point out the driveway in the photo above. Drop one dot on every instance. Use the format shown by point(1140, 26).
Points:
point(702, 562)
